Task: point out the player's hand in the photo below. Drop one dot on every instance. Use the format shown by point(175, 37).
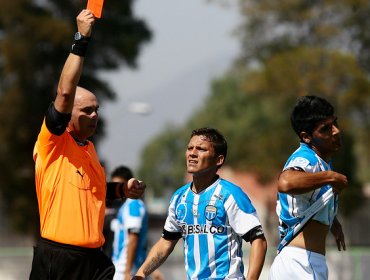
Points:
point(134, 188)
point(85, 22)
point(336, 230)
point(340, 182)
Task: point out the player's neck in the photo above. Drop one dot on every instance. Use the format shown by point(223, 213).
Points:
point(200, 183)
point(325, 156)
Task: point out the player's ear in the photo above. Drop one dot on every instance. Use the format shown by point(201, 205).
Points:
point(306, 138)
point(220, 160)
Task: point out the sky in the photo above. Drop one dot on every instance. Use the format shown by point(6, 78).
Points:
point(193, 43)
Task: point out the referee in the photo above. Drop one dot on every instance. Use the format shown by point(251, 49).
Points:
point(70, 181)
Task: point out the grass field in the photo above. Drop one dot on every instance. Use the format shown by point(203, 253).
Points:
point(353, 264)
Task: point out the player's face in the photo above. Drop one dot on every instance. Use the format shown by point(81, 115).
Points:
point(325, 138)
point(201, 157)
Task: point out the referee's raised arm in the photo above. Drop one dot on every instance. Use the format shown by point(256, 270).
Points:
point(73, 66)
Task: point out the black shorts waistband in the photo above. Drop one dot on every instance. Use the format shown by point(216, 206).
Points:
point(47, 242)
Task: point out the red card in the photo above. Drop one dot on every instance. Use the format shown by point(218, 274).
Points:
point(96, 6)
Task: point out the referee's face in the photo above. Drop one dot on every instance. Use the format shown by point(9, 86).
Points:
point(201, 157)
point(85, 114)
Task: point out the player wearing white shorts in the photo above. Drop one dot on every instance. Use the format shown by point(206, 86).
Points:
point(213, 216)
point(309, 265)
point(308, 192)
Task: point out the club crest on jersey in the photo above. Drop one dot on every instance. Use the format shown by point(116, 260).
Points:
point(210, 212)
point(181, 211)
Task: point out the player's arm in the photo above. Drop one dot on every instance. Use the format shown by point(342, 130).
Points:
point(296, 181)
point(133, 240)
point(157, 255)
point(336, 230)
point(72, 69)
point(257, 255)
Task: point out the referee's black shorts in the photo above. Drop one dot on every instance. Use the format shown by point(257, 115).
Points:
point(56, 261)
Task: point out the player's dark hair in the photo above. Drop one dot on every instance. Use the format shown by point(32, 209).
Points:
point(122, 172)
point(308, 111)
point(214, 136)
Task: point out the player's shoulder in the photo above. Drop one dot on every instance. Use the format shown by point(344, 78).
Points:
point(180, 191)
point(230, 188)
point(302, 157)
point(234, 194)
point(134, 202)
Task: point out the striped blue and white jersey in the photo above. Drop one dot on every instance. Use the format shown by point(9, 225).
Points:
point(132, 216)
point(212, 224)
point(291, 208)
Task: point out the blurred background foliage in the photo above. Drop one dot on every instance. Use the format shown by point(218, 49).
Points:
point(35, 38)
point(288, 49)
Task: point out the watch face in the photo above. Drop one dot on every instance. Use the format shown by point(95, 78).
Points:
point(78, 36)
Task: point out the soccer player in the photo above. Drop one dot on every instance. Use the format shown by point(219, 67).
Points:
point(130, 228)
point(307, 194)
point(130, 231)
point(212, 215)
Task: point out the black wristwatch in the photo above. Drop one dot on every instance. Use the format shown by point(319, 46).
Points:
point(80, 44)
point(81, 38)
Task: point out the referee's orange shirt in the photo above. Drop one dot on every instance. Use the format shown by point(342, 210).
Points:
point(71, 190)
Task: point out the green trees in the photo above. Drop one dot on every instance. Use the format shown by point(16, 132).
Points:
point(292, 48)
point(35, 37)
